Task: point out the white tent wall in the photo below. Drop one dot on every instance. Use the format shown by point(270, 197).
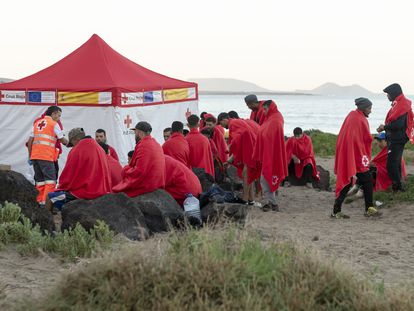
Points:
point(16, 122)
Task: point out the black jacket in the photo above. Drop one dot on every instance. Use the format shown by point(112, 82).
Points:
point(396, 130)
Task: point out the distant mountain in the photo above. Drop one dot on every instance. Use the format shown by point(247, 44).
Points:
point(219, 85)
point(4, 80)
point(333, 89)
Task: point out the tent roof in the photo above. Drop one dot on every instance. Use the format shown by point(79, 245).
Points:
point(96, 66)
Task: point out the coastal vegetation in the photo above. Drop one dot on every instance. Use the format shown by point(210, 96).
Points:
point(228, 269)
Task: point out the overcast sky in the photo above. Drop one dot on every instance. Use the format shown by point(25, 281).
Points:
point(280, 45)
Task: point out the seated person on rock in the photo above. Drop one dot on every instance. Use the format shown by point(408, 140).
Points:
point(86, 174)
point(180, 180)
point(146, 172)
point(301, 159)
point(114, 166)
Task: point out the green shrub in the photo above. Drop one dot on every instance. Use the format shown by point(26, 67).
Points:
point(70, 244)
point(219, 271)
point(324, 144)
point(389, 197)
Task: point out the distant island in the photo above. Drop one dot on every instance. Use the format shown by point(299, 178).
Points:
point(234, 86)
point(5, 80)
point(224, 86)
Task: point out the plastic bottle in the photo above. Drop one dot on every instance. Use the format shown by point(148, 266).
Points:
point(192, 207)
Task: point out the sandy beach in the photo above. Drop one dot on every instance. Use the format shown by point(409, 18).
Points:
point(378, 249)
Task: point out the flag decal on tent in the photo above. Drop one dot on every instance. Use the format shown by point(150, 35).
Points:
point(13, 96)
point(85, 98)
point(179, 94)
point(41, 97)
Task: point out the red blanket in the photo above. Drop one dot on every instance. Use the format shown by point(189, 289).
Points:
point(270, 148)
point(242, 138)
point(201, 155)
point(353, 149)
point(146, 172)
point(86, 174)
point(115, 168)
point(383, 181)
point(302, 148)
point(177, 147)
point(219, 140)
point(180, 180)
point(112, 153)
point(258, 115)
point(401, 106)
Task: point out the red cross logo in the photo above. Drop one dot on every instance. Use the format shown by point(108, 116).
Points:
point(124, 99)
point(187, 113)
point(365, 161)
point(41, 125)
point(1, 95)
point(275, 179)
point(128, 121)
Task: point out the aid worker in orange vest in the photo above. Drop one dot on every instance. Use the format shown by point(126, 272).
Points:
point(43, 153)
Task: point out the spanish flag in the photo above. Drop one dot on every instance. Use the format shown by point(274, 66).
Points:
point(84, 98)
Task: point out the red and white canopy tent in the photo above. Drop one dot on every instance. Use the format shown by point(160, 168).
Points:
point(96, 87)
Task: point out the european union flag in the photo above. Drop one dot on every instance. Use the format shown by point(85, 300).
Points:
point(35, 97)
point(148, 97)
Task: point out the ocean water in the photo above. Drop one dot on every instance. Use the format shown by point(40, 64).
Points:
point(308, 112)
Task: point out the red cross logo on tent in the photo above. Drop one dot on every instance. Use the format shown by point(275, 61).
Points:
point(124, 99)
point(1, 95)
point(41, 125)
point(365, 161)
point(128, 121)
point(187, 113)
point(275, 179)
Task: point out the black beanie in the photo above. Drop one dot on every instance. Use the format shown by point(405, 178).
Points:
point(394, 90)
point(363, 103)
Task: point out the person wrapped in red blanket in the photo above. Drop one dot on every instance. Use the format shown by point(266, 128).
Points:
point(242, 139)
point(258, 114)
point(180, 180)
point(86, 174)
point(115, 168)
point(177, 146)
point(219, 170)
point(146, 171)
point(301, 159)
point(201, 155)
point(399, 129)
point(381, 180)
point(270, 152)
point(352, 158)
point(217, 136)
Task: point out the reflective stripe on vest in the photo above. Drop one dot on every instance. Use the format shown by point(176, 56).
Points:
point(44, 140)
point(46, 143)
point(50, 182)
point(45, 136)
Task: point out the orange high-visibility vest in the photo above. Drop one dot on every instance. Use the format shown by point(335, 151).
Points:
point(44, 141)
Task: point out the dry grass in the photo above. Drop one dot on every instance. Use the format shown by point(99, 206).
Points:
point(230, 270)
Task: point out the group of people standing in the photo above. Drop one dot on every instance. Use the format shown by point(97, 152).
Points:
point(257, 147)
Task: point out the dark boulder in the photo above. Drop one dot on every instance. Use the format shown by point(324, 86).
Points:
point(206, 180)
point(117, 210)
point(15, 188)
point(216, 212)
point(322, 184)
point(160, 210)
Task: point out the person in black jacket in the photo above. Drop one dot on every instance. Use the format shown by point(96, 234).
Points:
point(396, 127)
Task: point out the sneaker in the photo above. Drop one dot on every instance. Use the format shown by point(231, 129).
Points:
point(339, 215)
point(251, 203)
point(309, 185)
point(287, 184)
point(266, 208)
point(379, 203)
point(275, 208)
point(372, 212)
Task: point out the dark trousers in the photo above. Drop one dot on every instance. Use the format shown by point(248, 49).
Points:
point(306, 174)
point(395, 153)
point(365, 180)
